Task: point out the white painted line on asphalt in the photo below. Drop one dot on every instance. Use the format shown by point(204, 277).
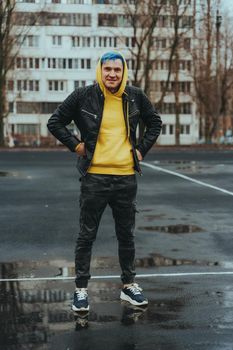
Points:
point(61, 278)
point(158, 168)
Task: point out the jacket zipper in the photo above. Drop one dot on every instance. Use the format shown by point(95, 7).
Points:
point(135, 112)
point(94, 115)
point(128, 127)
point(127, 118)
point(98, 131)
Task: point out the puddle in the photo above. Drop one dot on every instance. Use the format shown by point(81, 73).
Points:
point(185, 165)
point(67, 269)
point(174, 161)
point(176, 229)
point(34, 314)
point(145, 210)
point(159, 260)
point(227, 264)
point(155, 216)
point(7, 174)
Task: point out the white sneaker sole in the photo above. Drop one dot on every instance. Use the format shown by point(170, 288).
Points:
point(125, 297)
point(74, 308)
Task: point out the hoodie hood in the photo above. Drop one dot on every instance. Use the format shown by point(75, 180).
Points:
point(121, 89)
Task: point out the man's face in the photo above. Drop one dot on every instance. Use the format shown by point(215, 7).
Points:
point(112, 74)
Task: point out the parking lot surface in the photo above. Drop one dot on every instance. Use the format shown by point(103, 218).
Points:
point(184, 255)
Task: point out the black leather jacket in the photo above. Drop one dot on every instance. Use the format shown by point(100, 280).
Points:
point(85, 107)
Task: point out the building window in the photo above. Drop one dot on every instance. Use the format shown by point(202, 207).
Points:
point(10, 85)
point(186, 22)
point(69, 63)
point(185, 129)
point(187, 44)
point(11, 107)
point(27, 107)
point(107, 41)
point(164, 129)
point(123, 21)
point(160, 43)
point(171, 129)
point(27, 1)
point(107, 20)
point(81, 41)
point(183, 86)
point(79, 83)
point(130, 41)
point(29, 41)
point(170, 108)
point(131, 64)
point(27, 63)
point(85, 63)
point(76, 41)
point(53, 19)
point(56, 85)
point(56, 40)
point(28, 85)
point(164, 65)
point(154, 86)
point(80, 2)
point(48, 107)
point(36, 107)
point(185, 108)
point(27, 129)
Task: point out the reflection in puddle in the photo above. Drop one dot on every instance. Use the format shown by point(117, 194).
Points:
point(4, 173)
point(145, 262)
point(19, 324)
point(185, 165)
point(7, 174)
point(33, 313)
point(179, 228)
point(81, 320)
point(154, 216)
point(131, 314)
point(159, 260)
point(226, 264)
point(41, 268)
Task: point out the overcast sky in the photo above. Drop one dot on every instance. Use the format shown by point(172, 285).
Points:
point(228, 5)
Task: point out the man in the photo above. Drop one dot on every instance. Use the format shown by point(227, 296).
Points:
point(107, 114)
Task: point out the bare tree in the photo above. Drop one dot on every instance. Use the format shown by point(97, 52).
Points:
point(145, 18)
point(213, 65)
point(181, 25)
point(14, 27)
point(6, 46)
point(142, 17)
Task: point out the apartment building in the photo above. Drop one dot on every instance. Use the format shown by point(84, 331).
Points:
point(61, 43)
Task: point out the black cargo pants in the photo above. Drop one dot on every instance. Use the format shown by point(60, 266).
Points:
point(98, 191)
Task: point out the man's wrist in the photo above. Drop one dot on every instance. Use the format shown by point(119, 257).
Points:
point(77, 147)
point(139, 155)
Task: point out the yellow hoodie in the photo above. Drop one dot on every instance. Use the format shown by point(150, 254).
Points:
point(113, 150)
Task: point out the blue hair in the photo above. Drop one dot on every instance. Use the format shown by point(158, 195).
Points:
point(111, 56)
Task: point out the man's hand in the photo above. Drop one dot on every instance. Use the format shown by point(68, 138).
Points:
point(81, 150)
point(139, 155)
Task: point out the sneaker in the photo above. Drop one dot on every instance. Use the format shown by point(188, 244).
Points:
point(133, 295)
point(80, 302)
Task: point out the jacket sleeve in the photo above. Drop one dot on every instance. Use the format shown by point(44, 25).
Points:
point(153, 125)
point(63, 116)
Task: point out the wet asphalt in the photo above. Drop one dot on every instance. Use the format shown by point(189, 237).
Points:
point(184, 246)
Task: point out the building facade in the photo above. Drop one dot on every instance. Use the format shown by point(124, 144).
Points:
point(61, 42)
